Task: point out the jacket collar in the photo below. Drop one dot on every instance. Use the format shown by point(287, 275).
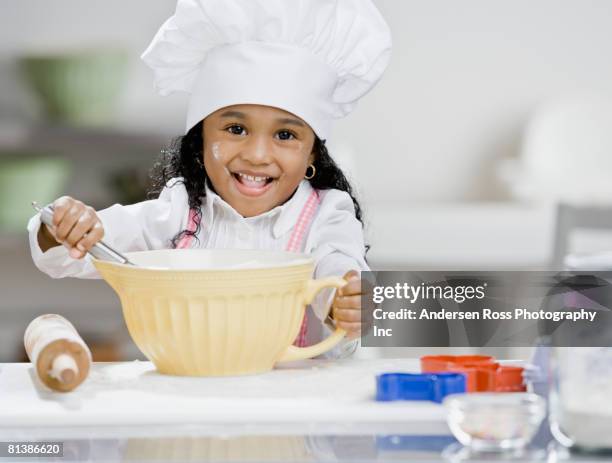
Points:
point(284, 216)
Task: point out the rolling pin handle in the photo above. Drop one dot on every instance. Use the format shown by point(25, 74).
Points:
point(64, 368)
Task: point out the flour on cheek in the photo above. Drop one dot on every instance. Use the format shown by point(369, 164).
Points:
point(217, 155)
point(215, 151)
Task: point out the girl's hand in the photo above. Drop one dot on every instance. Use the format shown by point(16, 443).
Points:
point(76, 225)
point(346, 306)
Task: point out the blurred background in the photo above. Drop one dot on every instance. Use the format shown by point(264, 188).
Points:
point(487, 145)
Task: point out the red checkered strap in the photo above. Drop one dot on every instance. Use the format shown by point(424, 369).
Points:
point(296, 244)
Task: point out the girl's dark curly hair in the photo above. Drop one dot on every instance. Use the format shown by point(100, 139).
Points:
point(184, 159)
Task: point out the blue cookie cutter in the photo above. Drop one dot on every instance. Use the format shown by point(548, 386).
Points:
point(416, 386)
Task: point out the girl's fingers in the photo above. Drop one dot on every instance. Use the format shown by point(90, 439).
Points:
point(69, 221)
point(351, 274)
point(75, 225)
point(347, 315)
point(84, 223)
point(95, 234)
point(353, 328)
point(348, 302)
point(352, 287)
point(60, 207)
point(367, 289)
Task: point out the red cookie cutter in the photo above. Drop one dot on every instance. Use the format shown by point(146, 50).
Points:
point(482, 371)
point(510, 379)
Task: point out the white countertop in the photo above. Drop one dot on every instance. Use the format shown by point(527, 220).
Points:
point(313, 396)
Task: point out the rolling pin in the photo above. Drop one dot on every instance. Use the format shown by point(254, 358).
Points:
point(57, 352)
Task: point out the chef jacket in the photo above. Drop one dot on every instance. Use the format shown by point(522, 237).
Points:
point(335, 238)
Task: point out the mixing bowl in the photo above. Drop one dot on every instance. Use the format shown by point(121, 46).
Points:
point(215, 312)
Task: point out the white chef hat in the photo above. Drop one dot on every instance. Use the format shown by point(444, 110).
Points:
point(312, 58)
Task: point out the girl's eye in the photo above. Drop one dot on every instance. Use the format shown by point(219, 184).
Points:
point(285, 135)
point(236, 129)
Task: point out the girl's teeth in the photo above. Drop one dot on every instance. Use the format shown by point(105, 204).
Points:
point(252, 180)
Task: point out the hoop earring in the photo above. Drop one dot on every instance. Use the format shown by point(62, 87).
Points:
point(314, 171)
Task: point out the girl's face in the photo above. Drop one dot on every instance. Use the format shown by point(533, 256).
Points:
point(256, 156)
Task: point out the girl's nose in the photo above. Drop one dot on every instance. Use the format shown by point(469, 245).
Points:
point(257, 150)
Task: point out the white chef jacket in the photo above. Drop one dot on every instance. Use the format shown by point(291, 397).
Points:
point(335, 239)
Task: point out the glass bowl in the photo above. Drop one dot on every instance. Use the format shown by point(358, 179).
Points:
point(494, 421)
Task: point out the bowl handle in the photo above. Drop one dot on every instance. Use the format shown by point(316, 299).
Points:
point(301, 353)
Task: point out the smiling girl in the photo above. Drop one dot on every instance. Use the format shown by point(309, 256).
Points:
point(252, 172)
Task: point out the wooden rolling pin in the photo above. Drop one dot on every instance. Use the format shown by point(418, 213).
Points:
point(58, 353)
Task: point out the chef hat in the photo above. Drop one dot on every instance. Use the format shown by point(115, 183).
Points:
point(312, 58)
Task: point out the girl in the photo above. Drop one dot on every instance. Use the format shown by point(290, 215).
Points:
point(265, 77)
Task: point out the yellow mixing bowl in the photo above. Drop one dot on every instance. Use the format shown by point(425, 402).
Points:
point(217, 312)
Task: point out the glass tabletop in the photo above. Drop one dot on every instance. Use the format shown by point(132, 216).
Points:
point(264, 444)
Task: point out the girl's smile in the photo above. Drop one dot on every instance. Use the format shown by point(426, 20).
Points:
point(256, 156)
point(253, 183)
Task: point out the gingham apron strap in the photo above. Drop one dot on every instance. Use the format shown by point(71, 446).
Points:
point(303, 222)
point(192, 225)
point(295, 244)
